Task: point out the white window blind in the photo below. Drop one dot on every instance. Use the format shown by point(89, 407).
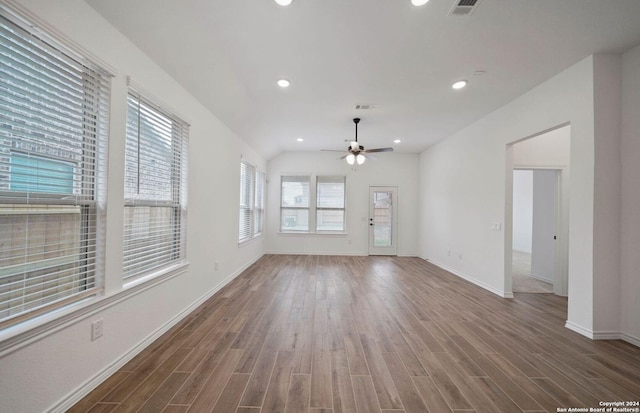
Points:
point(252, 195)
point(247, 192)
point(53, 140)
point(258, 219)
point(330, 203)
point(294, 203)
point(155, 187)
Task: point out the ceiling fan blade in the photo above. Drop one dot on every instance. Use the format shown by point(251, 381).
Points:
point(330, 150)
point(342, 157)
point(379, 150)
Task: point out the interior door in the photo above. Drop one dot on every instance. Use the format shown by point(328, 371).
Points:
point(545, 214)
point(383, 221)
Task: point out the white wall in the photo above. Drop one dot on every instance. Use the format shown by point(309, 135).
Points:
point(543, 249)
point(43, 368)
point(630, 212)
point(522, 210)
point(391, 169)
point(607, 197)
point(550, 150)
point(463, 188)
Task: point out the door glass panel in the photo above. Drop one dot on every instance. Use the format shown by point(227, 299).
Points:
point(382, 218)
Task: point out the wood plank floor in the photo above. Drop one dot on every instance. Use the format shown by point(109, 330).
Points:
point(369, 334)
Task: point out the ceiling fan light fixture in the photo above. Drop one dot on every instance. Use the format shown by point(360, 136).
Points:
point(397, 141)
point(356, 152)
point(419, 2)
point(283, 2)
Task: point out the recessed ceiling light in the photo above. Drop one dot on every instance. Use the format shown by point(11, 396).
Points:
point(300, 139)
point(459, 84)
point(397, 141)
point(419, 2)
point(284, 2)
point(283, 83)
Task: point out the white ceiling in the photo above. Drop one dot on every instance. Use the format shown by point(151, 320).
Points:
point(339, 53)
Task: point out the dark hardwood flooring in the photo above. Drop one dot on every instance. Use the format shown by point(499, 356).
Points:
point(369, 334)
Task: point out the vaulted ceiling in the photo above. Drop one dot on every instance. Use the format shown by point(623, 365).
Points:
point(342, 53)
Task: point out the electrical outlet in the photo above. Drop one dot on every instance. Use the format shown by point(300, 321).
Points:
point(96, 329)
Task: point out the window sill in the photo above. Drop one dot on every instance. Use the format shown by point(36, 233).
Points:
point(249, 240)
point(156, 276)
point(338, 234)
point(15, 337)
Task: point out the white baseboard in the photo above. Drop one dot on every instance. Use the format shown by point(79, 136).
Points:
point(338, 253)
point(616, 335)
point(541, 278)
point(579, 329)
point(519, 250)
point(607, 335)
point(84, 389)
point(348, 254)
point(471, 279)
point(630, 339)
point(603, 335)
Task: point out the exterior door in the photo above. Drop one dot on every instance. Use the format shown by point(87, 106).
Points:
point(383, 220)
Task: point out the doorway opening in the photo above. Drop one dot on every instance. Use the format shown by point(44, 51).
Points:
point(535, 219)
point(537, 213)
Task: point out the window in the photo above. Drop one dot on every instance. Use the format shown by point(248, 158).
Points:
point(330, 195)
point(155, 187)
point(258, 220)
point(247, 188)
point(252, 191)
point(299, 212)
point(53, 132)
point(294, 203)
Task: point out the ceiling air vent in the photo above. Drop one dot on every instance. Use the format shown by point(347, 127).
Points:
point(365, 107)
point(463, 7)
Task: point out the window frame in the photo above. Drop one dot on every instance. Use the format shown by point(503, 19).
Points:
point(296, 178)
point(312, 209)
point(254, 207)
point(32, 129)
point(137, 203)
point(247, 190)
point(332, 179)
point(259, 203)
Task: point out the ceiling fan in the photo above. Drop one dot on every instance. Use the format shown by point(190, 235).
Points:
point(356, 152)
